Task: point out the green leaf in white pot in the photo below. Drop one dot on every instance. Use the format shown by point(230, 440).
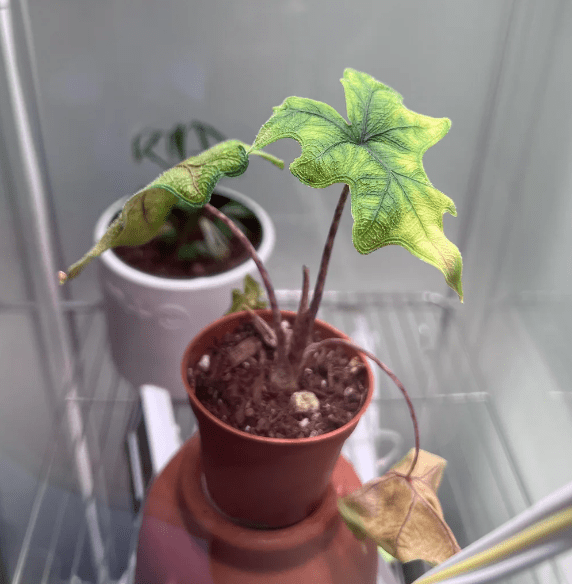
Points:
point(379, 155)
point(191, 181)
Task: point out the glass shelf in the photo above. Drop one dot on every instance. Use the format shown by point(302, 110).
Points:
point(70, 538)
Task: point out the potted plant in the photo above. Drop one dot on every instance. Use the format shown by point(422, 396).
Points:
point(181, 280)
point(159, 294)
point(277, 393)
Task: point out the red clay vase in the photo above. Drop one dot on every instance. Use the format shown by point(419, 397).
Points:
point(183, 539)
point(258, 481)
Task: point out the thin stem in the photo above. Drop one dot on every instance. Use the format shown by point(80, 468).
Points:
point(298, 342)
point(306, 324)
point(263, 274)
point(305, 290)
point(315, 346)
point(326, 254)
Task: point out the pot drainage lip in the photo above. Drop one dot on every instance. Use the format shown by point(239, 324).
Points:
point(197, 500)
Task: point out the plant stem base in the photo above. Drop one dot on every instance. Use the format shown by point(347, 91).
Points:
point(185, 540)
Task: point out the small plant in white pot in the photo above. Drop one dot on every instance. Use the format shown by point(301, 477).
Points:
point(159, 293)
point(277, 393)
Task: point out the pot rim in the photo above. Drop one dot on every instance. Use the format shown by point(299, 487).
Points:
point(297, 442)
point(119, 267)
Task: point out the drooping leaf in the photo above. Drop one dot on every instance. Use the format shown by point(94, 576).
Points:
point(379, 155)
point(139, 221)
point(191, 182)
point(403, 515)
point(252, 297)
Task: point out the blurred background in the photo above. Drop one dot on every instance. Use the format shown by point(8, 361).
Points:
point(492, 377)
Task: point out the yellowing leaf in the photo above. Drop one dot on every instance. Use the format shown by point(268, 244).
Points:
point(403, 514)
point(191, 181)
point(379, 155)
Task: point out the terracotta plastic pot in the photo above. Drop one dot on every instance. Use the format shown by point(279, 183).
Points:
point(150, 319)
point(258, 481)
point(184, 540)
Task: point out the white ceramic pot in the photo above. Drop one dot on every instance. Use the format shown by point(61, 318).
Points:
point(151, 319)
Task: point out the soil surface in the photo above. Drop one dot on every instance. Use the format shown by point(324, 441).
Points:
point(232, 382)
point(160, 257)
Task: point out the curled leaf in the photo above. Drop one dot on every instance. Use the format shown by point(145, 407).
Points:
point(264, 329)
point(379, 155)
point(191, 181)
point(139, 221)
point(403, 514)
point(252, 297)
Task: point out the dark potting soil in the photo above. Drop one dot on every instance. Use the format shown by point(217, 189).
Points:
point(161, 258)
point(232, 382)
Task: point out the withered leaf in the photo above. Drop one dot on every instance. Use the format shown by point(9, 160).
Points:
point(244, 350)
point(403, 515)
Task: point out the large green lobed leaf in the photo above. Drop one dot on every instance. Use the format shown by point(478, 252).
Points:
point(379, 155)
point(191, 181)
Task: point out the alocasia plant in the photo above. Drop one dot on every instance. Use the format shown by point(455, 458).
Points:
point(377, 155)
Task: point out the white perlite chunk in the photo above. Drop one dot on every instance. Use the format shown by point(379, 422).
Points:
point(303, 423)
point(305, 401)
point(205, 363)
point(355, 365)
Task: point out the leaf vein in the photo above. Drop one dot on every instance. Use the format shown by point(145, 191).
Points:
point(390, 130)
point(366, 114)
point(441, 521)
point(187, 167)
point(344, 130)
point(439, 252)
point(391, 172)
point(322, 154)
point(409, 512)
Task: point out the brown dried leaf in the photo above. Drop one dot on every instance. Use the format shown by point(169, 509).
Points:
point(403, 515)
point(244, 350)
point(265, 330)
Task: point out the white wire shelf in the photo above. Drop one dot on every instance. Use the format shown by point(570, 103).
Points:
point(417, 335)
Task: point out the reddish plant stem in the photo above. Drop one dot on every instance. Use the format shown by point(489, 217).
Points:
point(276, 318)
point(327, 253)
point(315, 346)
point(303, 306)
point(305, 290)
point(304, 331)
